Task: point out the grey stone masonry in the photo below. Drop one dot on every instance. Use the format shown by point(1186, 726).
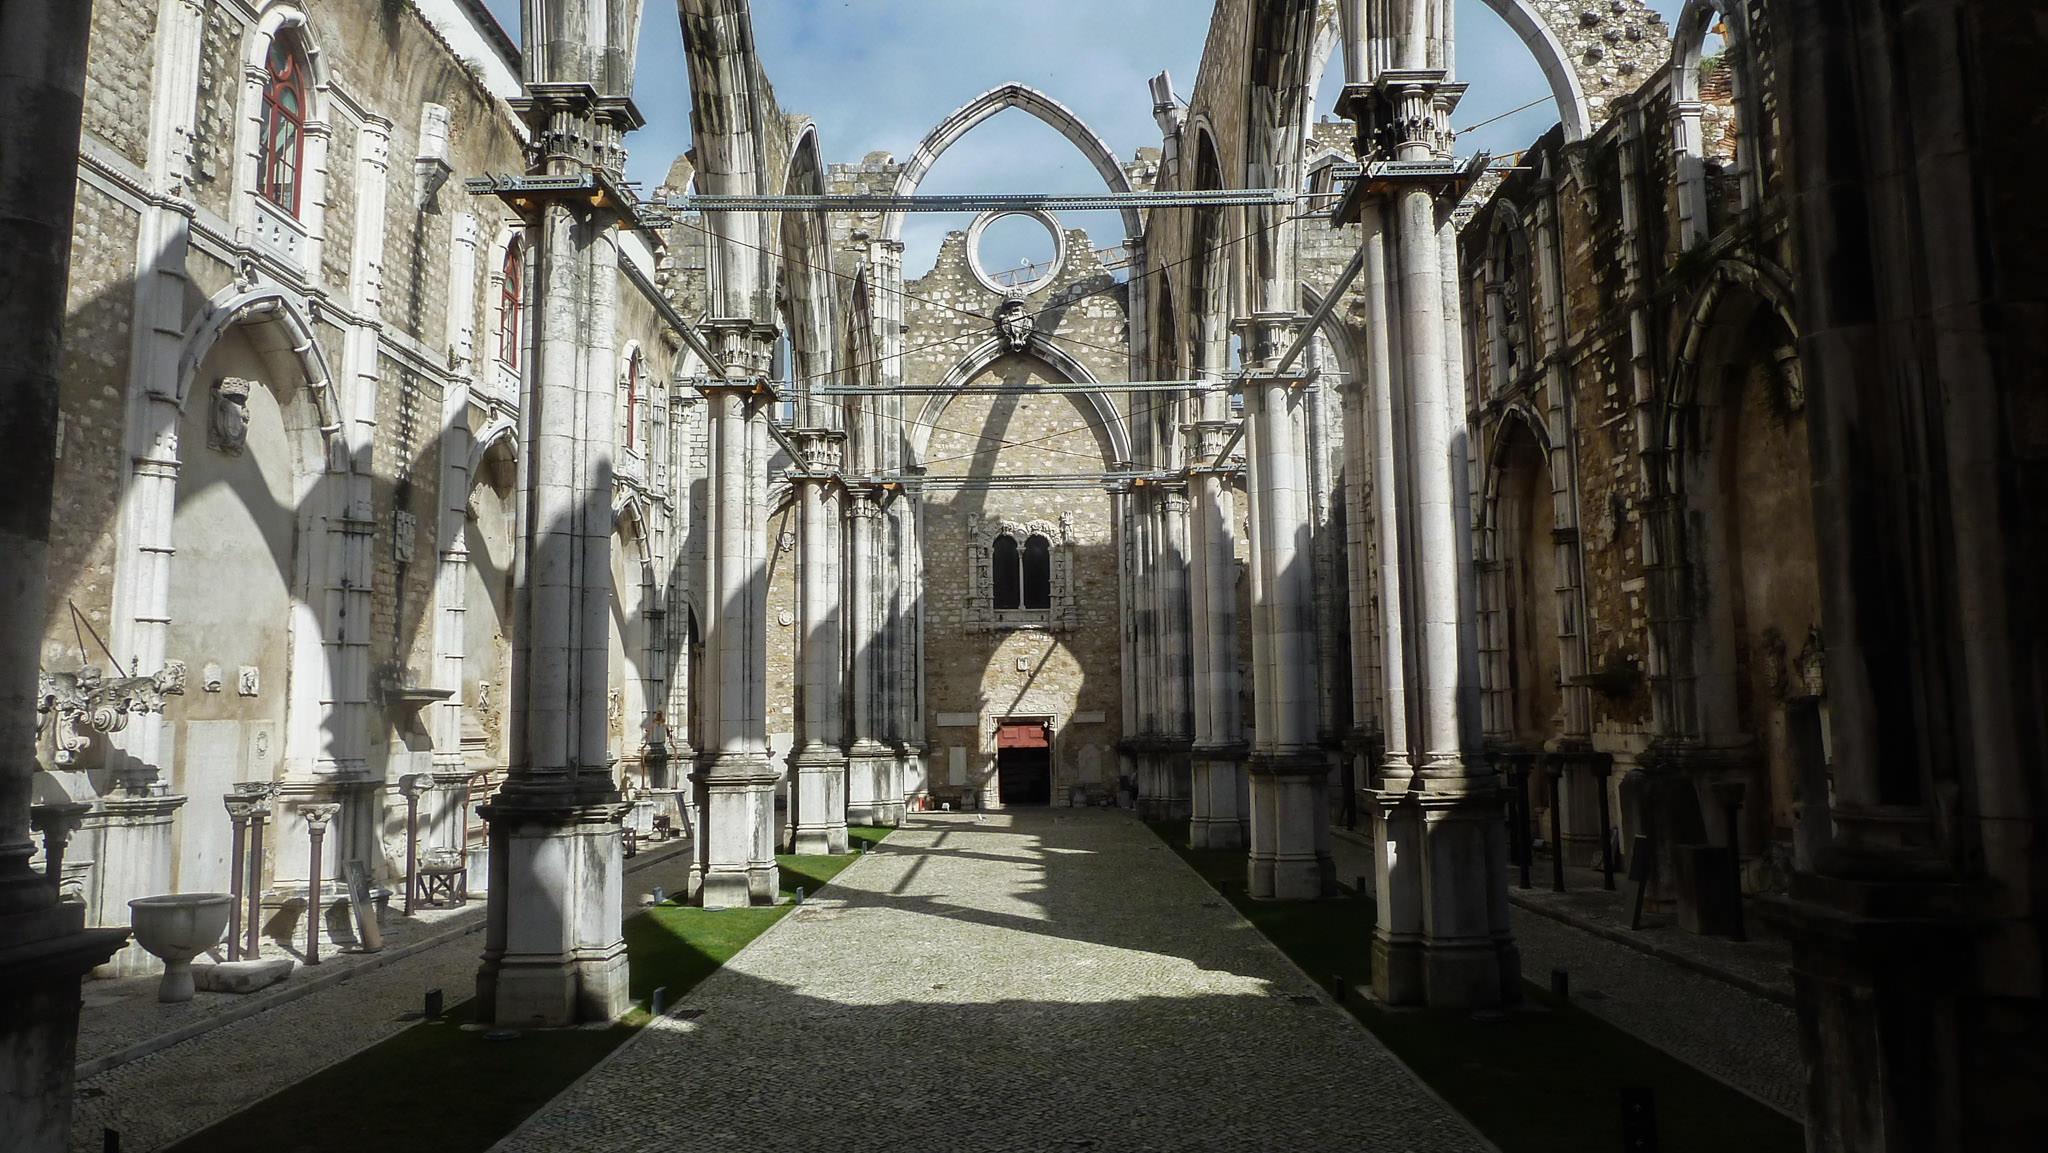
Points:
point(1049, 979)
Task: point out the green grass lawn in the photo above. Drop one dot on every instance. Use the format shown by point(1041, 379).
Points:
point(1544, 1079)
point(440, 1086)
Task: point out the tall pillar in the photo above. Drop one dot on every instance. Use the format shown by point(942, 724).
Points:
point(1216, 820)
point(44, 947)
point(1442, 937)
point(818, 763)
point(735, 779)
point(1176, 734)
point(868, 760)
point(1287, 770)
point(554, 953)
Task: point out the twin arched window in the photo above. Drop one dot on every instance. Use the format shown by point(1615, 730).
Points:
point(1022, 577)
point(284, 123)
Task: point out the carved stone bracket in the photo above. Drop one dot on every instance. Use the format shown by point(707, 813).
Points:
point(88, 699)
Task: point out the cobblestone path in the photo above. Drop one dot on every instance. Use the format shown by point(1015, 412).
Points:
point(170, 1094)
point(1035, 980)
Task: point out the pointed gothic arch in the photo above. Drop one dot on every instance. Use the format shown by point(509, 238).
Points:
point(1001, 99)
point(919, 433)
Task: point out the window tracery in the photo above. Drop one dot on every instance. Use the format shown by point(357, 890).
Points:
point(1021, 575)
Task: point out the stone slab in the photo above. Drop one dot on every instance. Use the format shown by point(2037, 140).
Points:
point(241, 976)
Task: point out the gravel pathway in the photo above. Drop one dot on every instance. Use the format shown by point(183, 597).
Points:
point(1044, 980)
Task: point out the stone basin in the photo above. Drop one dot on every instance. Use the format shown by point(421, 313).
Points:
point(178, 927)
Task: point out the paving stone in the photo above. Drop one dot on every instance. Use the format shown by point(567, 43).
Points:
point(1029, 980)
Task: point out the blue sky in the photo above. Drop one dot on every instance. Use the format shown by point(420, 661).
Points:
point(878, 74)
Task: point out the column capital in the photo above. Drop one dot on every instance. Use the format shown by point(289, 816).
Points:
point(317, 815)
point(823, 450)
point(745, 346)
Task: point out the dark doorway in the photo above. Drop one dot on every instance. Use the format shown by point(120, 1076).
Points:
point(1023, 764)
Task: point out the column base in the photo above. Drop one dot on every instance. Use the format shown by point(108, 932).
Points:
point(1289, 812)
point(819, 790)
point(870, 765)
point(557, 955)
point(736, 847)
point(1441, 866)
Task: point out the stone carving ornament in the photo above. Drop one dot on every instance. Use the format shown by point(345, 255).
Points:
point(228, 434)
point(1014, 323)
point(88, 699)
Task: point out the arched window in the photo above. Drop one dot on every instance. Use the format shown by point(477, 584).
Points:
point(510, 299)
point(1009, 574)
point(630, 397)
point(1037, 573)
point(284, 123)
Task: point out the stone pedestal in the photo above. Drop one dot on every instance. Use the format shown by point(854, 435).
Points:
point(736, 847)
point(554, 952)
point(1216, 816)
point(132, 835)
point(818, 779)
point(1289, 858)
point(1440, 866)
point(869, 767)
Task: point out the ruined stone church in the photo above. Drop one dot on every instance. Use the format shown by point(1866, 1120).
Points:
point(396, 487)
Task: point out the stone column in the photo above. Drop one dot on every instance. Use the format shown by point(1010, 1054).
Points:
point(868, 759)
point(1172, 622)
point(1287, 769)
point(44, 946)
point(735, 779)
point(819, 761)
point(907, 725)
point(1216, 821)
point(554, 953)
point(1442, 937)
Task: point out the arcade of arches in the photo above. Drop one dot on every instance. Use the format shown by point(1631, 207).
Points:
point(1666, 489)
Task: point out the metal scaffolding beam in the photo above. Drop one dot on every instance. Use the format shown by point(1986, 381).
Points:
point(985, 202)
point(1021, 389)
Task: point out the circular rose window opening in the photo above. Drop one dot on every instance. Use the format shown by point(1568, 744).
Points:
point(1016, 252)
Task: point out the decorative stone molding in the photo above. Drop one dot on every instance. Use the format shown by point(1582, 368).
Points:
point(87, 699)
point(1063, 615)
point(1014, 323)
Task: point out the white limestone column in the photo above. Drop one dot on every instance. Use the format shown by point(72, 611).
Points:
point(1175, 723)
point(1287, 769)
point(445, 807)
point(736, 779)
point(868, 759)
point(1442, 937)
point(1216, 820)
point(819, 762)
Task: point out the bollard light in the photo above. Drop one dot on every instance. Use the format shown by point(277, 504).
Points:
point(657, 894)
point(657, 1004)
point(1561, 985)
point(432, 1009)
point(799, 895)
point(1337, 987)
point(110, 1141)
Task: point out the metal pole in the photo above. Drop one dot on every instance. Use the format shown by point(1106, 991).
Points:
point(1554, 770)
point(1525, 836)
point(1731, 808)
point(1602, 766)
